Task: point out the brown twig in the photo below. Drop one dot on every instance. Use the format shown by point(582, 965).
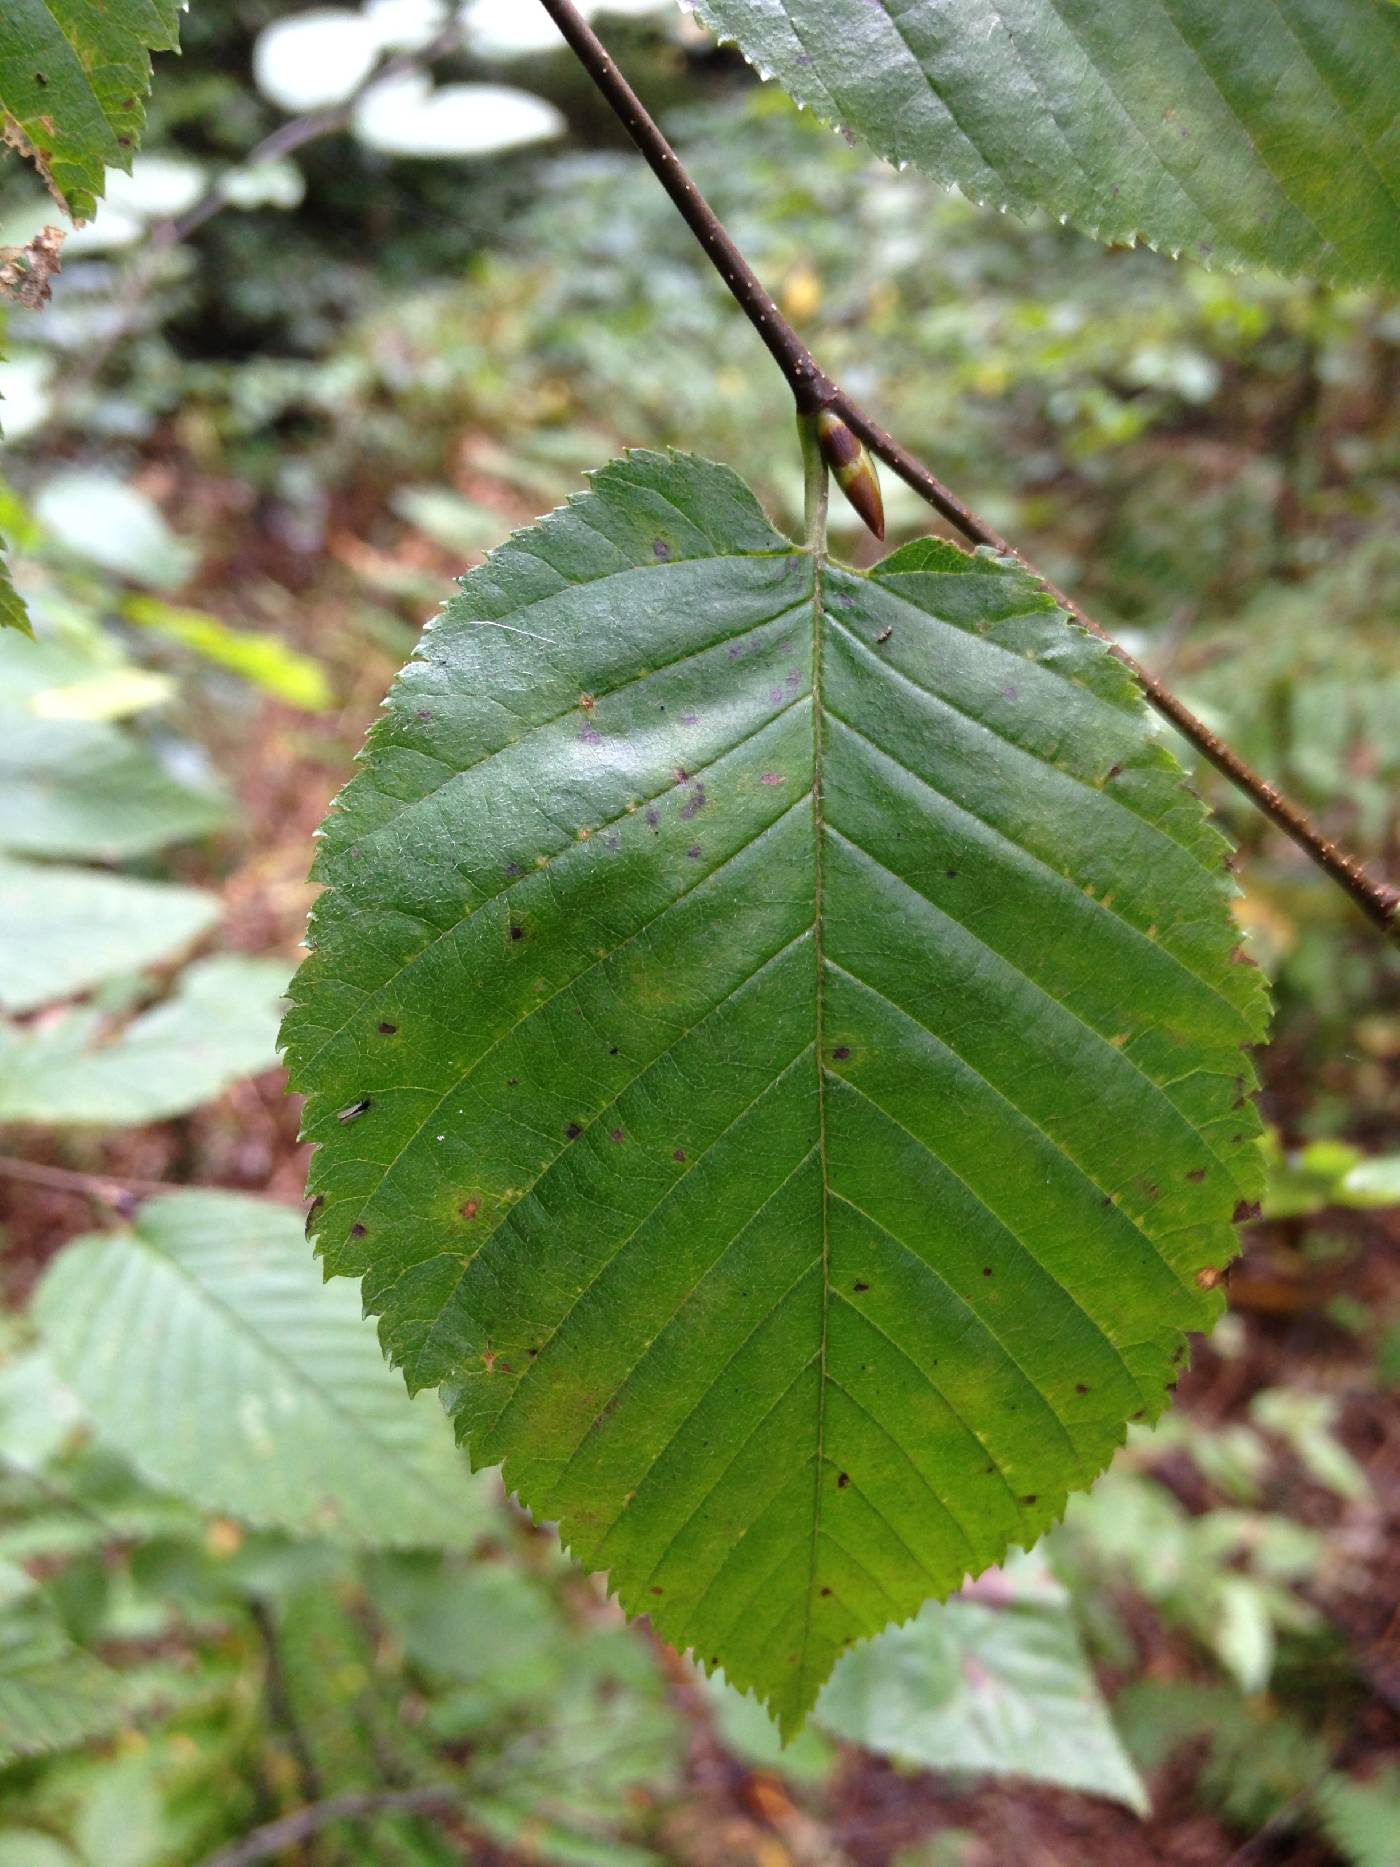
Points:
point(278, 1837)
point(813, 389)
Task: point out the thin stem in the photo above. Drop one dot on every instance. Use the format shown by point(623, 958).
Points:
point(816, 487)
point(812, 389)
point(118, 1192)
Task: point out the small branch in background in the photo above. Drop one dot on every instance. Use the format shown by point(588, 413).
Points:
point(277, 1837)
point(813, 390)
point(283, 141)
point(117, 1193)
point(281, 1712)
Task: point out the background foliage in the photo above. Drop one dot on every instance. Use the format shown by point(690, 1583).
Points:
point(241, 468)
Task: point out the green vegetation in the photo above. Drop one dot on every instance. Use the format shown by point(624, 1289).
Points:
point(250, 1592)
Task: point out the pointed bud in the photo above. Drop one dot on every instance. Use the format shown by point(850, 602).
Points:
point(852, 468)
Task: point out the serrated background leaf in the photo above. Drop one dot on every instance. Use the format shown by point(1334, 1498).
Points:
point(52, 1694)
point(63, 930)
point(993, 1681)
point(776, 1055)
point(73, 83)
point(1258, 133)
point(205, 1349)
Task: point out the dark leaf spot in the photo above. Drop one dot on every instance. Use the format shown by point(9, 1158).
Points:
point(1030, 1498)
point(312, 1210)
point(679, 1154)
point(1245, 1209)
point(1114, 771)
point(771, 777)
point(824, 1591)
point(842, 1480)
point(986, 1270)
point(884, 636)
point(573, 1131)
point(388, 1030)
point(1080, 1388)
point(617, 1135)
point(1197, 1174)
point(425, 713)
point(860, 1289)
point(660, 548)
point(841, 1052)
point(517, 933)
point(470, 1210)
point(694, 852)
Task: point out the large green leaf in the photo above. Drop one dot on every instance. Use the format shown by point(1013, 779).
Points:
point(62, 930)
point(1253, 133)
point(73, 83)
point(207, 1352)
point(774, 1046)
point(218, 1026)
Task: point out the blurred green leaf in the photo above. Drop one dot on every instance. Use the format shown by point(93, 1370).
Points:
point(205, 1349)
point(86, 788)
point(993, 1681)
point(62, 930)
point(110, 525)
point(1362, 1819)
point(52, 1694)
point(218, 1026)
point(264, 660)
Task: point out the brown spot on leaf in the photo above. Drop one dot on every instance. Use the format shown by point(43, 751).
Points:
point(679, 1154)
point(1208, 1278)
point(470, 1210)
point(860, 1289)
point(573, 1131)
point(1197, 1174)
point(842, 1480)
point(841, 1052)
point(1245, 1209)
point(771, 777)
point(357, 1231)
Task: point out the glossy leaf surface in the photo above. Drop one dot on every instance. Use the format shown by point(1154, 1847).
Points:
point(1257, 133)
point(776, 1054)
